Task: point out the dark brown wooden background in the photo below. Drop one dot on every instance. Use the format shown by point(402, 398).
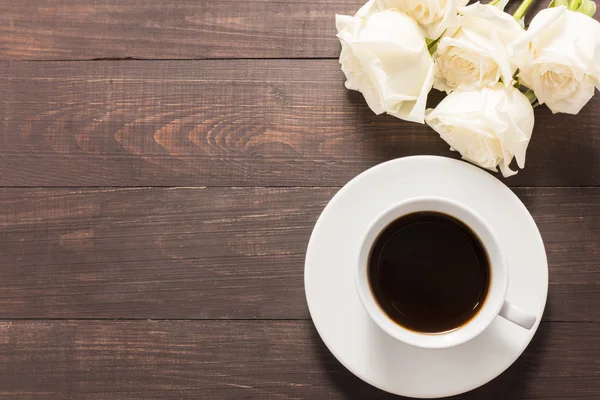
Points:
point(162, 164)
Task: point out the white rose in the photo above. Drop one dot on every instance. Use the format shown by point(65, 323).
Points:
point(434, 16)
point(476, 55)
point(488, 126)
point(384, 56)
point(559, 58)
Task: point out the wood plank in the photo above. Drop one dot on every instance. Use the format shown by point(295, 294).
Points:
point(183, 29)
point(53, 29)
point(231, 123)
point(248, 360)
point(218, 253)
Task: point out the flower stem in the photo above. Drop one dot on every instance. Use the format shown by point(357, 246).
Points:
point(520, 13)
point(494, 2)
point(531, 96)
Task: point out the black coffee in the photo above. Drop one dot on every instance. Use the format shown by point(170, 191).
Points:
point(429, 272)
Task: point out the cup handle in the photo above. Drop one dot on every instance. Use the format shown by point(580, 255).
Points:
point(517, 315)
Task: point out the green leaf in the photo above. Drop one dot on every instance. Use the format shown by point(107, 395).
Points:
point(432, 44)
point(574, 5)
point(587, 7)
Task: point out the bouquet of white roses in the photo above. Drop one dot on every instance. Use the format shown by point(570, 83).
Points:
point(493, 70)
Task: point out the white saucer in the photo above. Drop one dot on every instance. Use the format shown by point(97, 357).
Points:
point(342, 322)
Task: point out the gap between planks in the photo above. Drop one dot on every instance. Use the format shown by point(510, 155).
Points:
point(257, 320)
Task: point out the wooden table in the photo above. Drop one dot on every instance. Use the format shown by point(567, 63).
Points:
point(162, 164)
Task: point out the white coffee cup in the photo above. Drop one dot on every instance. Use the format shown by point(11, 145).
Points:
point(495, 303)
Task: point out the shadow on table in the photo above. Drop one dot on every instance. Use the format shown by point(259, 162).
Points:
point(512, 384)
point(560, 152)
point(384, 137)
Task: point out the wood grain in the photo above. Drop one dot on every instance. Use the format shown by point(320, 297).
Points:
point(248, 360)
point(231, 123)
point(85, 266)
point(89, 29)
point(218, 253)
point(183, 29)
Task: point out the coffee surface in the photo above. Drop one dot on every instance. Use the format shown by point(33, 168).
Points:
point(429, 272)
